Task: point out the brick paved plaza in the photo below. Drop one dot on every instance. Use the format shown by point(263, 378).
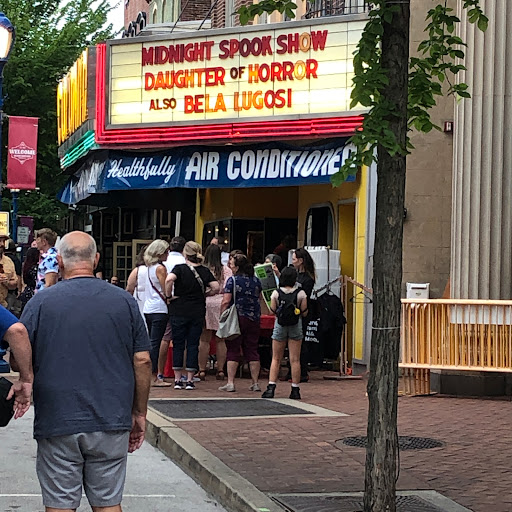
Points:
point(298, 454)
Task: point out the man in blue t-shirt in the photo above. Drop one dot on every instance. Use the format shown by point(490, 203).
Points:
point(92, 376)
point(15, 335)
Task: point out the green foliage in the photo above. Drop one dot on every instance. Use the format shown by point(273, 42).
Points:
point(49, 38)
point(439, 60)
point(45, 209)
point(437, 64)
point(248, 12)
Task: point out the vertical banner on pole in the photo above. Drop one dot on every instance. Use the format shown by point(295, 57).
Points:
point(22, 153)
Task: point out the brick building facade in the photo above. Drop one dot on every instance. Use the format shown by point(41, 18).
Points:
point(132, 8)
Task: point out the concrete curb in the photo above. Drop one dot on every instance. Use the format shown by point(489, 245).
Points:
point(229, 488)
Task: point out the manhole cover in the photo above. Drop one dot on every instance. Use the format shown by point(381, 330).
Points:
point(404, 442)
point(350, 504)
point(231, 408)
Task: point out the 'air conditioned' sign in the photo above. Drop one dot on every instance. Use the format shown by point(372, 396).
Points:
point(304, 69)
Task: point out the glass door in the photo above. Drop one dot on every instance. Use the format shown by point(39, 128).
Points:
point(123, 261)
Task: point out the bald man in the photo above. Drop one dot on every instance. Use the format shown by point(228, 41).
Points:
point(91, 382)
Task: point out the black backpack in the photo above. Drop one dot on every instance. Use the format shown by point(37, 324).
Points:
point(287, 308)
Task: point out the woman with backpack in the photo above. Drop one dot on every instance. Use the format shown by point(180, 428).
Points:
point(244, 288)
point(289, 303)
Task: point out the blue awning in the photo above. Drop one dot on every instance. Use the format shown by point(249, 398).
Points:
point(259, 165)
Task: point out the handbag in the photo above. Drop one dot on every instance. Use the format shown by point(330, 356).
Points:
point(14, 304)
point(229, 326)
point(155, 288)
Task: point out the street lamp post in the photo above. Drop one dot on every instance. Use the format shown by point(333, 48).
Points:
point(6, 44)
point(7, 35)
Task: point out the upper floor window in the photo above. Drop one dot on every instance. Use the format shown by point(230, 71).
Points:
point(164, 6)
point(321, 8)
point(230, 10)
point(155, 16)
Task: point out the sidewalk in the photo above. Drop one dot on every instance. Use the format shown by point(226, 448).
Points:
point(153, 483)
point(300, 455)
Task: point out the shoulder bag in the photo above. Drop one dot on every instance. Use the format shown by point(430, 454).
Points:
point(155, 288)
point(229, 326)
point(197, 276)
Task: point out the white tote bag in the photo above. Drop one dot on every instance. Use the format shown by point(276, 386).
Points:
point(229, 327)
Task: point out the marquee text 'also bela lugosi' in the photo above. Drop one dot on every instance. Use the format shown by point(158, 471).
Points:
point(279, 69)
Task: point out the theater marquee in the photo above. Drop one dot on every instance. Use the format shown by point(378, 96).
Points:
point(295, 70)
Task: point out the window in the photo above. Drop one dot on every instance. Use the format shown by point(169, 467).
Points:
point(108, 227)
point(230, 11)
point(319, 226)
point(123, 262)
point(164, 8)
point(155, 16)
point(165, 218)
point(128, 223)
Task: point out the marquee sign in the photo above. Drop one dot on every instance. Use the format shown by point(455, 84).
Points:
point(72, 98)
point(296, 70)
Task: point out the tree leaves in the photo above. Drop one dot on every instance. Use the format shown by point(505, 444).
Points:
point(435, 67)
point(247, 13)
point(49, 38)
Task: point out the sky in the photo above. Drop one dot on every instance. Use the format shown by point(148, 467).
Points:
point(117, 15)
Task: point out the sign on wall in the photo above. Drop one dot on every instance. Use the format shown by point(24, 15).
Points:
point(72, 98)
point(4, 223)
point(304, 69)
point(22, 153)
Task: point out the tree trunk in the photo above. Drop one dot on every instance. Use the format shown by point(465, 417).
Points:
point(381, 454)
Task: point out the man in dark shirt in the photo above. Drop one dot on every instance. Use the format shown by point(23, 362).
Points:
point(91, 381)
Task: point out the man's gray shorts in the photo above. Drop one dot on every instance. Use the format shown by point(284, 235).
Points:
point(96, 461)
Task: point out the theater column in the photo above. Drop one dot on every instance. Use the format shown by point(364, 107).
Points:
point(481, 256)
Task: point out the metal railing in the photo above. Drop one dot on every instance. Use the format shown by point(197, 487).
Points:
point(456, 334)
point(323, 8)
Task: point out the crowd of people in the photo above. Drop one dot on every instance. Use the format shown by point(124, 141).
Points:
point(182, 294)
point(91, 379)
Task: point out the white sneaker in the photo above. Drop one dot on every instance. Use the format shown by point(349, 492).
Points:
point(230, 388)
point(254, 387)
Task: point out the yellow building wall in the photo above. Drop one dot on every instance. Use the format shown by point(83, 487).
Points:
point(289, 202)
point(346, 246)
point(312, 195)
point(273, 202)
point(244, 203)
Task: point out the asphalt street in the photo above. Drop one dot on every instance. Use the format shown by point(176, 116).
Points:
point(153, 482)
